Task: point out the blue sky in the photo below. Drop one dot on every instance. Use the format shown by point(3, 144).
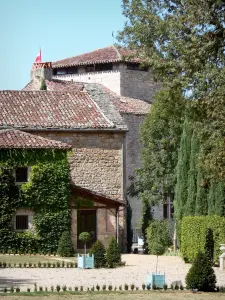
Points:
point(62, 28)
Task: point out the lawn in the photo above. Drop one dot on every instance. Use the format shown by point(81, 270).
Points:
point(123, 296)
point(34, 259)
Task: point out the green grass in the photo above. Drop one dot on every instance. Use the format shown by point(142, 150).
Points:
point(137, 295)
point(34, 259)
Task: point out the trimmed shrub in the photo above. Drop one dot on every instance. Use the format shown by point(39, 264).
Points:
point(201, 275)
point(209, 245)
point(65, 247)
point(193, 235)
point(99, 254)
point(113, 255)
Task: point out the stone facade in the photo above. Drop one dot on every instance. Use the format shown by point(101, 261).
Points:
point(97, 153)
point(129, 83)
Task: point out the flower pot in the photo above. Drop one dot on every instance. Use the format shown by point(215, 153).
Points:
point(155, 279)
point(85, 261)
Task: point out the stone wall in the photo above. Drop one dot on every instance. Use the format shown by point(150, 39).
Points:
point(137, 84)
point(110, 79)
point(96, 161)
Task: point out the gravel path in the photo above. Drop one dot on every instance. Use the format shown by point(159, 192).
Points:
point(134, 272)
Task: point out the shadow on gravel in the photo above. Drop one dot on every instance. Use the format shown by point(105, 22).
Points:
point(8, 282)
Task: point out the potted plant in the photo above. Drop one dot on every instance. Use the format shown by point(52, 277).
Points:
point(85, 261)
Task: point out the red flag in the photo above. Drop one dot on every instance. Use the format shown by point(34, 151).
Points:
point(38, 57)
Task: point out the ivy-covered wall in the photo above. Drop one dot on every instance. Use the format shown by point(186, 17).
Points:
point(46, 193)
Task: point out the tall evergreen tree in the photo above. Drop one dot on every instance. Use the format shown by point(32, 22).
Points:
point(201, 208)
point(192, 176)
point(211, 199)
point(43, 85)
point(220, 199)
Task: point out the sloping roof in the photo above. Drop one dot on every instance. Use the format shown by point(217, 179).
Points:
point(54, 110)
point(11, 138)
point(95, 196)
point(56, 85)
point(104, 55)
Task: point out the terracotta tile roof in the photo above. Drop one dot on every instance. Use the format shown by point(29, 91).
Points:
point(11, 138)
point(53, 110)
point(56, 85)
point(126, 105)
point(104, 55)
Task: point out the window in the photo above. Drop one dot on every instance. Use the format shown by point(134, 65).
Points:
point(166, 212)
point(99, 67)
point(21, 174)
point(136, 67)
point(22, 222)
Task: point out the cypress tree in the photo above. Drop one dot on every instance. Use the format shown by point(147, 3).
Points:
point(43, 85)
point(219, 199)
point(201, 207)
point(192, 176)
point(211, 199)
point(146, 218)
point(181, 190)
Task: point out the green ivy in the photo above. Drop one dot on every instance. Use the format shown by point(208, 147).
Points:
point(193, 235)
point(46, 193)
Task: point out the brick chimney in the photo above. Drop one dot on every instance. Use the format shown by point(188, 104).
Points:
point(41, 70)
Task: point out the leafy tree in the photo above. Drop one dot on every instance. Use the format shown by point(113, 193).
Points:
point(158, 238)
point(84, 237)
point(183, 42)
point(65, 247)
point(113, 254)
point(201, 275)
point(99, 252)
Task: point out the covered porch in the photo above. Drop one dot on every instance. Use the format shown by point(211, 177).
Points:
point(94, 213)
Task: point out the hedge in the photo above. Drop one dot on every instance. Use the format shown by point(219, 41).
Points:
point(193, 235)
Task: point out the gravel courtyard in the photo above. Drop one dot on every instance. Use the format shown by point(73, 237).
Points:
point(134, 272)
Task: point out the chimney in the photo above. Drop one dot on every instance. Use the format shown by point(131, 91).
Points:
point(41, 70)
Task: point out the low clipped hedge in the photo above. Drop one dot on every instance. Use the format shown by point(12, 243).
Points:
point(193, 235)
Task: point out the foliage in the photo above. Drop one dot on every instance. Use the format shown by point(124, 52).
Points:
point(146, 218)
point(46, 193)
point(201, 196)
point(99, 252)
point(84, 237)
point(181, 192)
point(201, 275)
point(192, 176)
point(43, 85)
point(160, 136)
point(183, 42)
point(129, 227)
point(65, 247)
point(193, 236)
point(158, 237)
point(209, 245)
point(113, 254)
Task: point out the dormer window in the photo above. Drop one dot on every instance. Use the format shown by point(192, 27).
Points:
point(21, 174)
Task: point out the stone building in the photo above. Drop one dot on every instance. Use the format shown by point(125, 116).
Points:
point(94, 102)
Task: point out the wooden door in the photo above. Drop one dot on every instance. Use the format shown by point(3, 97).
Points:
point(86, 222)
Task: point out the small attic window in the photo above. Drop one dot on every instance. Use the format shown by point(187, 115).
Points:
point(136, 67)
point(60, 71)
point(104, 67)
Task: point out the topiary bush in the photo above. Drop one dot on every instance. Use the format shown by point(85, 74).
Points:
point(99, 252)
point(65, 247)
point(201, 275)
point(113, 254)
point(209, 244)
point(84, 237)
point(193, 235)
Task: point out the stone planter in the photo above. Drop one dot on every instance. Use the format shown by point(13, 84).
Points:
point(155, 279)
point(85, 261)
point(222, 257)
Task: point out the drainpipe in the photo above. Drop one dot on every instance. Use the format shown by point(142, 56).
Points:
point(117, 225)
